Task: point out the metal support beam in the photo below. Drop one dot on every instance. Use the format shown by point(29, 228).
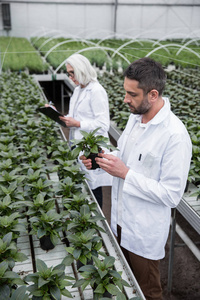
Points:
point(171, 252)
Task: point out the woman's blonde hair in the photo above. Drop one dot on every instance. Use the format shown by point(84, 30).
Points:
point(83, 70)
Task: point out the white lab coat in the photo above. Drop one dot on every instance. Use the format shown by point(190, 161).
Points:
point(90, 107)
point(154, 184)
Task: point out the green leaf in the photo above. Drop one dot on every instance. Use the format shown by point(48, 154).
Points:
point(8, 238)
point(87, 268)
point(100, 289)
point(109, 261)
point(68, 260)
point(54, 238)
point(112, 289)
point(41, 282)
point(66, 293)
point(11, 275)
point(19, 294)
point(55, 292)
point(41, 232)
point(83, 283)
point(41, 266)
point(121, 296)
point(4, 291)
point(77, 253)
point(21, 256)
point(102, 274)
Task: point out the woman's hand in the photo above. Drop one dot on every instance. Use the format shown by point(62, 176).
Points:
point(47, 105)
point(70, 122)
point(86, 161)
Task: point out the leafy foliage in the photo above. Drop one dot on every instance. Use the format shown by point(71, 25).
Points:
point(90, 143)
point(102, 277)
point(49, 282)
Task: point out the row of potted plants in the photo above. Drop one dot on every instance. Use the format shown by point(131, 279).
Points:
point(28, 204)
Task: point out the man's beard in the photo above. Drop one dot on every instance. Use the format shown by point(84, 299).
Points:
point(142, 108)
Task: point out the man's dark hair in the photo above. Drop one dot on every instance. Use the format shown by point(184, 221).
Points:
point(148, 73)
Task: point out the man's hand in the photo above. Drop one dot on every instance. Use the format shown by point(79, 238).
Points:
point(112, 165)
point(70, 122)
point(86, 161)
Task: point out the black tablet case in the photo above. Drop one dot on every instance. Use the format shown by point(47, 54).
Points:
point(53, 114)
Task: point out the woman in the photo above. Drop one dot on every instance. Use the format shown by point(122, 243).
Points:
point(88, 110)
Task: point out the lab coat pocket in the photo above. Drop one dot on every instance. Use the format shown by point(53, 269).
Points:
point(150, 165)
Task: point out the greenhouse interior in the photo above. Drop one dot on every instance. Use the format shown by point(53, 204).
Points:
point(45, 191)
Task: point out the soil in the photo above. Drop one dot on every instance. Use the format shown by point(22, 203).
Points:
point(186, 267)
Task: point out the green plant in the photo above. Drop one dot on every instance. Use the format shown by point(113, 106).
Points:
point(8, 282)
point(102, 277)
point(83, 220)
point(37, 205)
point(7, 177)
point(90, 143)
point(76, 202)
point(67, 188)
point(49, 283)
point(83, 246)
point(69, 168)
point(41, 186)
point(9, 251)
point(62, 151)
point(11, 223)
point(13, 190)
point(7, 206)
point(47, 224)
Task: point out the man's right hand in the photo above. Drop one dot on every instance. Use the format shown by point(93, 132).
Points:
point(86, 161)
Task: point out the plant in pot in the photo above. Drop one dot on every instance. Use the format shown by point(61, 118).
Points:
point(62, 151)
point(47, 227)
point(12, 223)
point(7, 206)
point(83, 220)
point(91, 144)
point(38, 205)
point(41, 186)
point(77, 201)
point(38, 164)
point(83, 246)
point(103, 278)
point(9, 251)
point(49, 283)
point(69, 168)
point(67, 188)
point(9, 281)
point(6, 178)
point(14, 190)
point(7, 165)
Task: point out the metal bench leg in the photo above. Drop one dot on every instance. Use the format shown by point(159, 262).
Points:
point(171, 252)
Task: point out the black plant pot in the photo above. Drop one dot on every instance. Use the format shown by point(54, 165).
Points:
point(80, 264)
point(92, 156)
point(46, 243)
point(105, 295)
point(39, 298)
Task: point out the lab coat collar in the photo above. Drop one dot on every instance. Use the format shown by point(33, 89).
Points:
point(88, 87)
point(162, 114)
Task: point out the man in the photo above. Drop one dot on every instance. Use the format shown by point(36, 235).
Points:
point(150, 173)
